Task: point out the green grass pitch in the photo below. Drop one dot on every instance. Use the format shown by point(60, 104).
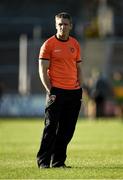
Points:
point(95, 152)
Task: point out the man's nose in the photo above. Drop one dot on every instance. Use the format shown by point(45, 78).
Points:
point(63, 26)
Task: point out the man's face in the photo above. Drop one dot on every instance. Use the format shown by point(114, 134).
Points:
point(63, 26)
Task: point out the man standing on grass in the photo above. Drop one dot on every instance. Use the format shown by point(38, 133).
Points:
point(60, 71)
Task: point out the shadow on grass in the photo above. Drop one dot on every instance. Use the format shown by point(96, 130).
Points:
point(97, 167)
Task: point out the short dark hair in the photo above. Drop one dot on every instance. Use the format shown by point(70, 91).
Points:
point(64, 15)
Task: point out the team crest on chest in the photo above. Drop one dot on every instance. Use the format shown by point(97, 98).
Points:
point(72, 49)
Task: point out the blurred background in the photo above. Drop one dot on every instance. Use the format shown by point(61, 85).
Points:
point(25, 25)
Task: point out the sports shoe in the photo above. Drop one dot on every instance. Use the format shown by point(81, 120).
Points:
point(44, 166)
point(61, 166)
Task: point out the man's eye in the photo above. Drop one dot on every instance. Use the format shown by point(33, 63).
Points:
point(65, 24)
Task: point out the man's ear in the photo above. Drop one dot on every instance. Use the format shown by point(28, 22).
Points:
point(55, 25)
point(71, 26)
